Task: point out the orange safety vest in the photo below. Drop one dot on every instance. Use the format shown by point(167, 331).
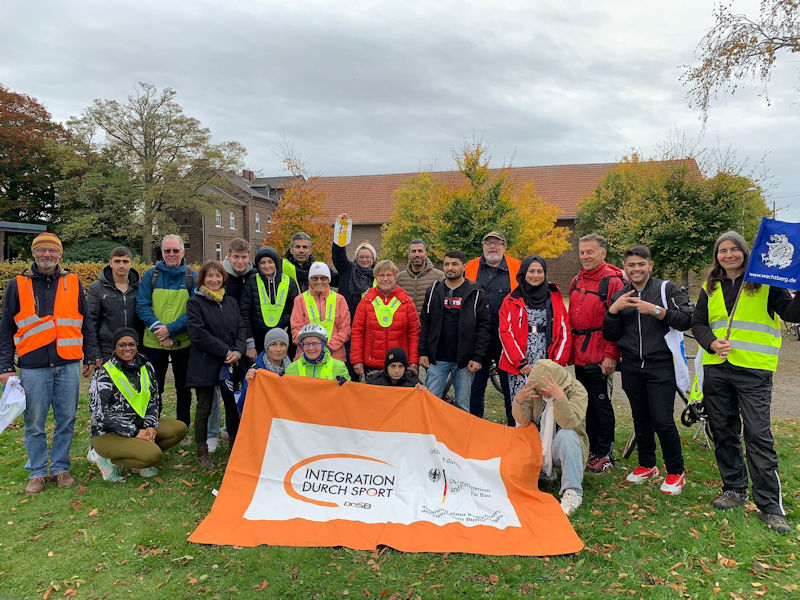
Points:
point(63, 327)
point(513, 264)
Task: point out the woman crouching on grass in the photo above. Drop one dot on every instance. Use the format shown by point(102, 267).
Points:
point(125, 407)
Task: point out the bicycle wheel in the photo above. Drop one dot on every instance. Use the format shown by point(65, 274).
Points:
point(630, 446)
point(494, 377)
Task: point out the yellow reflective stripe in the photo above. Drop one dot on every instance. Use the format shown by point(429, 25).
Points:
point(753, 347)
point(38, 329)
point(70, 342)
point(29, 321)
point(69, 322)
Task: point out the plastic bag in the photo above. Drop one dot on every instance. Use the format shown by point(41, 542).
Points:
point(12, 403)
point(674, 339)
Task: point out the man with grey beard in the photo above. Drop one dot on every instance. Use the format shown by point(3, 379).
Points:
point(46, 320)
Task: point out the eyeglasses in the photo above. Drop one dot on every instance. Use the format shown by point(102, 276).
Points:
point(494, 244)
point(312, 344)
point(47, 251)
point(171, 251)
point(126, 344)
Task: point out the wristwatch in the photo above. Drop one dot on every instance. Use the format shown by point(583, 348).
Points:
point(657, 311)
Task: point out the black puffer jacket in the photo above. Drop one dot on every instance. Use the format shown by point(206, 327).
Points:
point(111, 309)
point(110, 412)
point(640, 337)
point(409, 379)
point(250, 304)
point(214, 328)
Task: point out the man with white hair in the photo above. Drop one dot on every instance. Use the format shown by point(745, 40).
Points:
point(321, 305)
point(161, 305)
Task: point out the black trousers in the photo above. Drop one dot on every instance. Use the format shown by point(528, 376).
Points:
point(600, 422)
point(651, 393)
point(736, 398)
point(160, 358)
point(481, 379)
point(205, 398)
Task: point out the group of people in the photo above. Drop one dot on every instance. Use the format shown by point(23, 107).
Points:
point(398, 327)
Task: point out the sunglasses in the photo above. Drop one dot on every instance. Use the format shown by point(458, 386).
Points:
point(171, 251)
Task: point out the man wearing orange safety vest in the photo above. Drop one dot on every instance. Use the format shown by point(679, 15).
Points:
point(46, 320)
point(497, 273)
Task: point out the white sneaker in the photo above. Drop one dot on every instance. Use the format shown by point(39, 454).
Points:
point(108, 470)
point(641, 474)
point(223, 433)
point(186, 441)
point(673, 484)
point(146, 472)
point(92, 456)
point(213, 444)
point(570, 501)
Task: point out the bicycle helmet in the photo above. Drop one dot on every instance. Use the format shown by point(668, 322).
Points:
point(312, 330)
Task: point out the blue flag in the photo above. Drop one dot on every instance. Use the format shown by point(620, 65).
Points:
point(775, 259)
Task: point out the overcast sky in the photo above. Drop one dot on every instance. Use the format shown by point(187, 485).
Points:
point(365, 87)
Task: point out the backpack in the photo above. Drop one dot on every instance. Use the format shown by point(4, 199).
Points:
point(188, 277)
point(602, 289)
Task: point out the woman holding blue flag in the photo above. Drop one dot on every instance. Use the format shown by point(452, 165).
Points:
point(125, 406)
point(737, 324)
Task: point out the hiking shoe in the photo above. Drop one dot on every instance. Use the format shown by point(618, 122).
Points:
point(641, 474)
point(92, 456)
point(108, 470)
point(213, 444)
point(600, 463)
point(35, 485)
point(730, 499)
point(146, 472)
point(64, 480)
point(775, 522)
point(570, 501)
point(673, 484)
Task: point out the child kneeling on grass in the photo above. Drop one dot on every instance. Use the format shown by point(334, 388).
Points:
point(395, 371)
point(125, 407)
point(556, 403)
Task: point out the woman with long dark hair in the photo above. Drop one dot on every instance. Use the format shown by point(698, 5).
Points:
point(737, 324)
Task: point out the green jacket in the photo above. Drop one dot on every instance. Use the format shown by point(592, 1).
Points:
point(328, 368)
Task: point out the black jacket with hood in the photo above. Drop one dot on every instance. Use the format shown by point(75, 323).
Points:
point(235, 283)
point(111, 309)
point(250, 304)
point(473, 324)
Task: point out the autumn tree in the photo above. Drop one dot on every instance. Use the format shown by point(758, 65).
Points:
point(738, 49)
point(458, 215)
point(300, 209)
point(29, 140)
point(671, 208)
point(169, 155)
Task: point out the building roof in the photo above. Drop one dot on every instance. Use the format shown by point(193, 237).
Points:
point(276, 183)
point(245, 186)
point(370, 198)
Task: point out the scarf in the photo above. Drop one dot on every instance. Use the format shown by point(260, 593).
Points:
point(215, 296)
point(535, 296)
point(361, 278)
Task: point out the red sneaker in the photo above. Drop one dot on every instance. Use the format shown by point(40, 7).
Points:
point(673, 484)
point(641, 474)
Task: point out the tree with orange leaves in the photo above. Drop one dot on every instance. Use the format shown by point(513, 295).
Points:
point(300, 209)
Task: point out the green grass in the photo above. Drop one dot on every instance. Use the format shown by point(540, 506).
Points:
point(128, 540)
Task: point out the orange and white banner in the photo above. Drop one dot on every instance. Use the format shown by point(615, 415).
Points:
point(318, 464)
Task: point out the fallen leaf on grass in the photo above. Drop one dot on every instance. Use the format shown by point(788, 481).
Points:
point(81, 490)
point(436, 586)
point(725, 562)
point(703, 566)
point(158, 480)
point(93, 512)
point(187, 483)
point(261, 586)
point(46, 525)
point(493, 578)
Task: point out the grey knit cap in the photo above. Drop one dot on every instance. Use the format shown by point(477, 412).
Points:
point(276, 334)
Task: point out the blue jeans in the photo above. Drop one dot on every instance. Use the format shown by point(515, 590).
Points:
point(215, 417)
point(436, 379)
point(567, 453)
point(45, 387)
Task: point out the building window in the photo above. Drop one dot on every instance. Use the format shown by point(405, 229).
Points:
point(269, 219)
point(219, 217)
point(258, 222)
point(232, 220)
point(219, 251)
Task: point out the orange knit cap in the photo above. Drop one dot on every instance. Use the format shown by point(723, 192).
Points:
point(47, 239)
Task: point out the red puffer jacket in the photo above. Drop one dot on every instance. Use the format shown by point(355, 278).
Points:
point(514, 331)
point(370, 342)
point(586, 312)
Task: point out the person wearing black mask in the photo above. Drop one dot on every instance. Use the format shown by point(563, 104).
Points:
point(534, 323)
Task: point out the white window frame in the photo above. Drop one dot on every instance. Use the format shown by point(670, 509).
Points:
point(218, 215)
point(219, 251)
point(258, 222)
point(232, 220)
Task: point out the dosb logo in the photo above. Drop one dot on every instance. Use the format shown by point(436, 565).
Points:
point(358, 504)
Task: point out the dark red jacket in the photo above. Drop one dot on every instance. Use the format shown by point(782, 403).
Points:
point(369, 342)
point(586, 313)
point(514, 331)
